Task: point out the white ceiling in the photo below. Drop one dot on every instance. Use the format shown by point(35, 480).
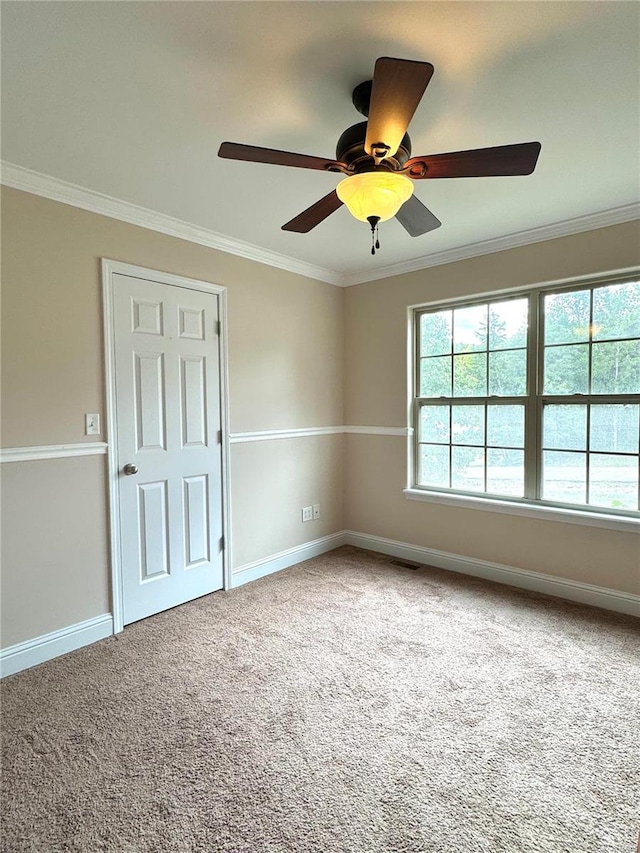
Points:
point(132, 99)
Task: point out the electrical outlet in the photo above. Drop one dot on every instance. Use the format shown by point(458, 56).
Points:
point(316, 511)
point(307, 513)
point(92, 424)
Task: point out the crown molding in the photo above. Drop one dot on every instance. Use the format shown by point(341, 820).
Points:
point(577, 225)
point(27, 180)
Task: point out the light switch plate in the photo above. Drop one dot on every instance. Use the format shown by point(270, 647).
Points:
point(92, 424)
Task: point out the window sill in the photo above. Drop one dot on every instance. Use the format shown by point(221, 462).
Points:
point(528, 510)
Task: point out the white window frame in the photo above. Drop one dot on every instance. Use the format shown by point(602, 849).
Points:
point(530, 506)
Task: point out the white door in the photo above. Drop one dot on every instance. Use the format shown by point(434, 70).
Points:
point(168, 414)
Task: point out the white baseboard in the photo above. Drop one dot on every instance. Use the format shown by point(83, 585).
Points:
point(32, 652)
point(284, 559)
point(584, 593)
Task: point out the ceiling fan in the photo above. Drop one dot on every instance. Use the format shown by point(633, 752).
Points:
point(375, 156)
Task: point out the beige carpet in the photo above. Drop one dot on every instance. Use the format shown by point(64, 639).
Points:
point(345, 705)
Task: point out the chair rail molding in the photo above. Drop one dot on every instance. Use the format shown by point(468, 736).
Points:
point(52, 451)
point(273, 434)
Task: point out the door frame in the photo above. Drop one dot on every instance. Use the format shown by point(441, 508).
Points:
point(109, 269)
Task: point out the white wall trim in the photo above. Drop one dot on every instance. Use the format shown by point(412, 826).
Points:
point(32, 652)
point(100, 448)
point(273, 434)
point(284, 559)
point(27, 180)
point(564, 228)
point(160, 277)
point(373, 430)
point(546, 513)
point(55, 189)
point(584, 593)
point(52, 451)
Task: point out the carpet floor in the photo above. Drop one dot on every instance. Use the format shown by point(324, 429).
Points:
point(345, 705)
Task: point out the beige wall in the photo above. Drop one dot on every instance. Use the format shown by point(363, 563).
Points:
point(285, 330)
point(54, 546)
point(285, 366)
point(265, 503)
point(292, 342)
point(376, 395)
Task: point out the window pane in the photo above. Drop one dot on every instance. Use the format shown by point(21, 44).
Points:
point(470, 328)
point(434, 465)
point(613, 481)
point(615, 368)
point(435, 333)
point(435, 377)
point(564, 477)
point(565, 427)
point(616, 311)
point(508, 324)
point(615, 428)
point(467, 469)
point(467, 426)
point(434, 424)
point(566, 370)
point(474, 366)
point(508, 373)
point(505, 426)
point(470, 375)
point(505, 472)
point(566, 317)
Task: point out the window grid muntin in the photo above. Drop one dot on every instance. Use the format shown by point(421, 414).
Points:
point(589, 401)
point(455, 402)
point(589, 340)
point(535, 400)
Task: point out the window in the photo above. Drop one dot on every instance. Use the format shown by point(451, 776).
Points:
point(533, 398)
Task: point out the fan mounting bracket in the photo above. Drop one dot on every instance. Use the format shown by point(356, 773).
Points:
point(361, 97)
point(351, 151)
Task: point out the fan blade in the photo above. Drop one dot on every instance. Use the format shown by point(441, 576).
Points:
point(312, 216)
point(416, 218)
point(398, 86)
point(479, 163)
point(254, 154)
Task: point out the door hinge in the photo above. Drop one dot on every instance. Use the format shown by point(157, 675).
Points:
point(222, 543)
point(218, 327)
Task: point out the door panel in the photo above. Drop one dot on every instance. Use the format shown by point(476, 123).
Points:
point(169, 428)
point(153, 509)
point(193, 401)
point(196, 520)
point(149, 391)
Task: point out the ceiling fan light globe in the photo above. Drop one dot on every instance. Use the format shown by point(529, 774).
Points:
point(379, 194)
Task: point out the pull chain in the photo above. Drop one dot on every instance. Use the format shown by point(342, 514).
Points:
point(375, 242)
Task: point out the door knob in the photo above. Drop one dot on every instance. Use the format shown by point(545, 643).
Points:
point(130, 468)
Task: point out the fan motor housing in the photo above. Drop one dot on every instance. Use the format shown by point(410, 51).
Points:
point(350, 150)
